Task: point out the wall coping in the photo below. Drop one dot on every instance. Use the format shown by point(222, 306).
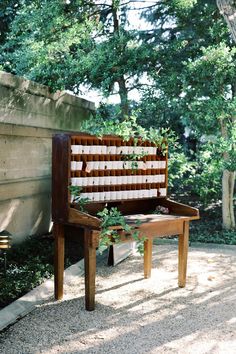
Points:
point(27, 86)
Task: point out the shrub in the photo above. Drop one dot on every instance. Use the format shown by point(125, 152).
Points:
point(28, 264)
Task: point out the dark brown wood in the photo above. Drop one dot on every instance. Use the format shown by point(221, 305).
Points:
point(78, 217)
point(135, 209)
point(90, 269)
point(58, 233)
point(110, 260)
point(179, 208)
point(60, 177)
point(183, 255)
point(147, 257)
point(125, 206)
point(162, 229)
point(158, 225)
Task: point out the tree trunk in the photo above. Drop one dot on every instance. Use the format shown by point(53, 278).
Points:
point(123, 91)
point(228, 181)
point(228, 10)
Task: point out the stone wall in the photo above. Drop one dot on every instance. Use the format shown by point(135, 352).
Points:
point(29, 116)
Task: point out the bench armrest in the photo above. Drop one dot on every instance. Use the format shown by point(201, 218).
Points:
point(83, 219)
point(179, 208)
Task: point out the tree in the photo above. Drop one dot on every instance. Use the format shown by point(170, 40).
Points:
point(199, 85)
point(8, 9)
point(188, 54)
point(228, 10)
point(43, 41)
point(66, 44)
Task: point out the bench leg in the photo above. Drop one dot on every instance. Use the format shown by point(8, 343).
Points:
point(183, 255)
point(147, 258)
point(58, 232)
point(90, 269)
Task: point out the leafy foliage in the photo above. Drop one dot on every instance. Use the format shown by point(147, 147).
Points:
point(29, 263)
point(200, 86)
point(113, 217)
point(65, 44)
point(185, 56)
point(75, 192)
point(126, 129)
point(21, 279)
point(109, 217)
point(45, 39)
point(209, 230)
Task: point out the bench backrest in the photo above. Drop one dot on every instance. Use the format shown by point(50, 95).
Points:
point(107, 169)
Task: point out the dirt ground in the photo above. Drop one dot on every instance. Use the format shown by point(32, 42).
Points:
point(134, 315)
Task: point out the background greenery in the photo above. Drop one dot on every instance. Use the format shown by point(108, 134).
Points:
point(31, 262)
point(181, 62)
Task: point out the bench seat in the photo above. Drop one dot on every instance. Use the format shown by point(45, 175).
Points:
point(103, 170)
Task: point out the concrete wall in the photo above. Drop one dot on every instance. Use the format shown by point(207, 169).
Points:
point(29, 115)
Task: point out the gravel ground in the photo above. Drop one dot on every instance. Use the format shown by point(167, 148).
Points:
point(134, 315)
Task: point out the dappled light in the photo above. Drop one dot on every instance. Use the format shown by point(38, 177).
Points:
point(8, 213)
point(135, 315)
point(158, 152)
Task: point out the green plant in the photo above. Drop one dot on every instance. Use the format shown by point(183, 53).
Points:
point(75, 192)
point(113, 217)
point(159, 137)
point(134, 165)
point(126, 129)
point(134, 158)
point(29, 263)
point(22, 278)
point(212, 232)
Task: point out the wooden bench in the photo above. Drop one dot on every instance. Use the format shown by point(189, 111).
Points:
point(108, 177)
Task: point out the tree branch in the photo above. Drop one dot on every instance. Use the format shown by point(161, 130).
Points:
point(228, 10)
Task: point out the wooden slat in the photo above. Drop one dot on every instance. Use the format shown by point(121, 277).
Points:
point(100, 173)
point(60, 177)
point(162, 228)
point(179, 208)
point(78, 217)
point(126, 207)
point(148, 257)
point(159, 228)
point(90, 270)
point(156, 225)
point(183, 255)
point(133, 187)
point(58, 232)
point(137, 206)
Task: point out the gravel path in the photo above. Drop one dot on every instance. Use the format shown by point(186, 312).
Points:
point(134, 315)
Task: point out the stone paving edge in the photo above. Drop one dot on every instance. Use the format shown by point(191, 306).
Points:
point(26, 303)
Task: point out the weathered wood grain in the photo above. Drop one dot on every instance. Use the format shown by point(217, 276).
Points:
point(151, 225)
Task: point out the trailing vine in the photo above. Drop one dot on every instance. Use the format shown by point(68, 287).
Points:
point(126, 129)
point(113, 217)
point(134, 158)
point(75, 192)
point(109, 217)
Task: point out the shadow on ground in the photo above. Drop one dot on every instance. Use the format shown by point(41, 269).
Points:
point(134, 315)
